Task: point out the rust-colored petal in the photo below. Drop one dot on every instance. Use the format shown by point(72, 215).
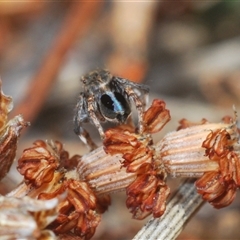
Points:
point(9, 133)
point(118, 141)
point(214, 192)
point(156, 117)
point(184, 123)
point(207, 182)
point(132, 161)
point(147, 194)
point(78, 212)
point(217, 144)
point(218, 191)
point(38, 163)
point(81, 196)
point(225, 199)
point(160, 200)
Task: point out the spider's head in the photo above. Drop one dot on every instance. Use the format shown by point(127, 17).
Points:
point(97, 77)
point(114, 107)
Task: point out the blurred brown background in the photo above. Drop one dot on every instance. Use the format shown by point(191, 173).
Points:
point(188, 52)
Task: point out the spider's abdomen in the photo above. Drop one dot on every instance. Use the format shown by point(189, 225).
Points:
point(114, 107)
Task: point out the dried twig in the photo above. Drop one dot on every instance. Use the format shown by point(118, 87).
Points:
point(129, 57)
point(78, 19)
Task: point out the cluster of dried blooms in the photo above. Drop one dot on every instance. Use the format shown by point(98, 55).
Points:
point(148, 191)
point(49, 172)
point(67, 195)
point(209, 151)
point(222, 145)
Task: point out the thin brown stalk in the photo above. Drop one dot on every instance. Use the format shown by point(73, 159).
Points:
point(79, 17)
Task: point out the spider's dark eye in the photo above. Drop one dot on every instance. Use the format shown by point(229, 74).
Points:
point(114, 106)
point(107, 101)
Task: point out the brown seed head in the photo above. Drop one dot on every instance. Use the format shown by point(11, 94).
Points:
point(38, 163)
point(50, 172)
point(148, 191)
point(219, 187)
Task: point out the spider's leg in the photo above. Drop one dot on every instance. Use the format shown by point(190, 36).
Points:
point(85, 138)
point(91, 110)
point(143, 92)
point(140, 86)
point(139, 106)
point(140, 90)
point(81, 115)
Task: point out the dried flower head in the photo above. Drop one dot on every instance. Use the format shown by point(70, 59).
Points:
point(50, 172)
point(38, 163)
point(148, 191)
point(222, 145)
point(84, 219)
point(206, 150)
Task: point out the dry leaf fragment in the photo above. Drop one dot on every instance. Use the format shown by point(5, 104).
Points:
point(9, 133)
point(26, 218)
point(6, 105)
point(8, 143)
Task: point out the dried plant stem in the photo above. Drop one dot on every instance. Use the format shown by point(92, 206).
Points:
point(179, 210)
point(104, 172)
point(78, 19)
point(20, 191)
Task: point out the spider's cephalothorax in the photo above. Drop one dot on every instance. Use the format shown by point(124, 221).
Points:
point(107, 98)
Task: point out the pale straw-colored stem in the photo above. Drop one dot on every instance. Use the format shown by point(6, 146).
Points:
point(182, 154)
point(20, 191)
point(104, 172)
point(180, 209)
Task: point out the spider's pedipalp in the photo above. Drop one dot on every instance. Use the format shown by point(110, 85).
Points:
point(86, 139)
point(81, 115)
point(91, 110)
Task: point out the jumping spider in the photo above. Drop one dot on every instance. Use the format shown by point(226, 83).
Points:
point(107, 98)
